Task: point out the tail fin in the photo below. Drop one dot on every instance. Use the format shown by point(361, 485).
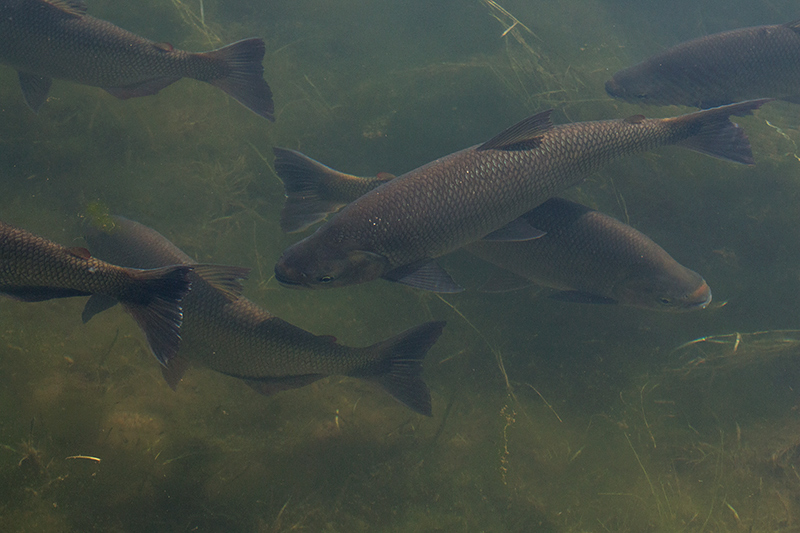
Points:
point(303, 180)
point(245, 77)
point(156, 307)
point(399, 369)
point(717, 136)
point(314, 191)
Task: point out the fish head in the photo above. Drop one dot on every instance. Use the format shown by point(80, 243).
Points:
point(326, 267)
point(663, 83)
point(664, 291)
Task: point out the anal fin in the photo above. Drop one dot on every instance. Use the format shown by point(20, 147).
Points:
point(34, 89)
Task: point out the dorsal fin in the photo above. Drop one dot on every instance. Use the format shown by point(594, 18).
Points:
point(73, 7)
point(634, 119)
point(522, 135)
point(794, 25)
point(79, 251)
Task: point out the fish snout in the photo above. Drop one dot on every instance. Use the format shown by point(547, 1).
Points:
point(700, 298)
point(613, 89)
point(288, 277)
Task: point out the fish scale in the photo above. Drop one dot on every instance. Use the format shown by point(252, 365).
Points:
point(33, 269)
point(44, 39)
point(402, 225)
point(718, 69)
point(238, 338)
point(586, 255)
point(27, 260)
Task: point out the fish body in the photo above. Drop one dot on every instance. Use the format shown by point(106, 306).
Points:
point(756, 62)
point(46, 39)
point(586, 255)
point(240, 339)
point(592, 257)
point(396, 230)
point(34, 269)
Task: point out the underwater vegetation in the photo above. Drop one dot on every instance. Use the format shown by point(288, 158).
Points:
point(547, 416)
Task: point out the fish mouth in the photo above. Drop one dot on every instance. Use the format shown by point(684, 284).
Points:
point(287, 282)
point(700, 298)
point(613, 89)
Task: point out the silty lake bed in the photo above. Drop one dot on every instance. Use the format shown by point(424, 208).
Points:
point(548, 416)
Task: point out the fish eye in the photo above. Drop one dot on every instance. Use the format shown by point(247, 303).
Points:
point(325, 279)
point(665, 301)
point(641, 96)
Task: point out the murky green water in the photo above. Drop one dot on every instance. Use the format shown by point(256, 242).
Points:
point(606, 421)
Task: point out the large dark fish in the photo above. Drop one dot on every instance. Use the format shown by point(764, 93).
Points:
point(586, 255)
point(45, 39)
point(33, 269)
point(397, 230)
point(242, 340)
point(719, 69)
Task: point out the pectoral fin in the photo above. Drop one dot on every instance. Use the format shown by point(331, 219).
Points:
point(270, 386)
point(427, 276)
point(581, 297)
point(518, 229)
point(39, 294)
point(73, 7)
point(34, 89)
point(145, 88)
point(504, 281)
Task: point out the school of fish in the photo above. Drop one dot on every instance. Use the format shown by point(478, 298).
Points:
point(497, 200)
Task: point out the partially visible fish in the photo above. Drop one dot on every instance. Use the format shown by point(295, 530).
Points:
point(240, 339)
point(46, 39)
point(584, 254)
point(33, 269)
point(719, 69)
point(397, 230)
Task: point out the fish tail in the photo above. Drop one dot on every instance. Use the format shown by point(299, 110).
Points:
point(314, 191)
point(714, 134)
point(307, 196)
point(244, 79)
point(400, 365)
point(156, 307)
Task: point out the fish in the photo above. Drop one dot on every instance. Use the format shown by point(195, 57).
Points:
point(718, 69)
point(34, 269)
point(47, 39)
point(241, 339)
point(397, 230)
point(586, 255)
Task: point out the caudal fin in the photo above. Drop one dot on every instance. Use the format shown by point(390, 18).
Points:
point(398, 371)
point(303, 181)
point(245, 77)
point(156, 306)
point(314, 191)
point(717, 136)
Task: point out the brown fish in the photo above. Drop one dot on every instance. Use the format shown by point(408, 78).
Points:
point(719, 69)
point(46, 39)
point(397, 230)
point(240, 339)
point(587, 256)
point(33, 269)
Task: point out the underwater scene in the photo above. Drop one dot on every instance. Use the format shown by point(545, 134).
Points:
point(544, 404)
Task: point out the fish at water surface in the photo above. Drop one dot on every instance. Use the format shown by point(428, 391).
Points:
point(584, 254)
point(719, 69)
point(46, 39)
point(240, 339)
point(34, 269)
point(397, 230)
